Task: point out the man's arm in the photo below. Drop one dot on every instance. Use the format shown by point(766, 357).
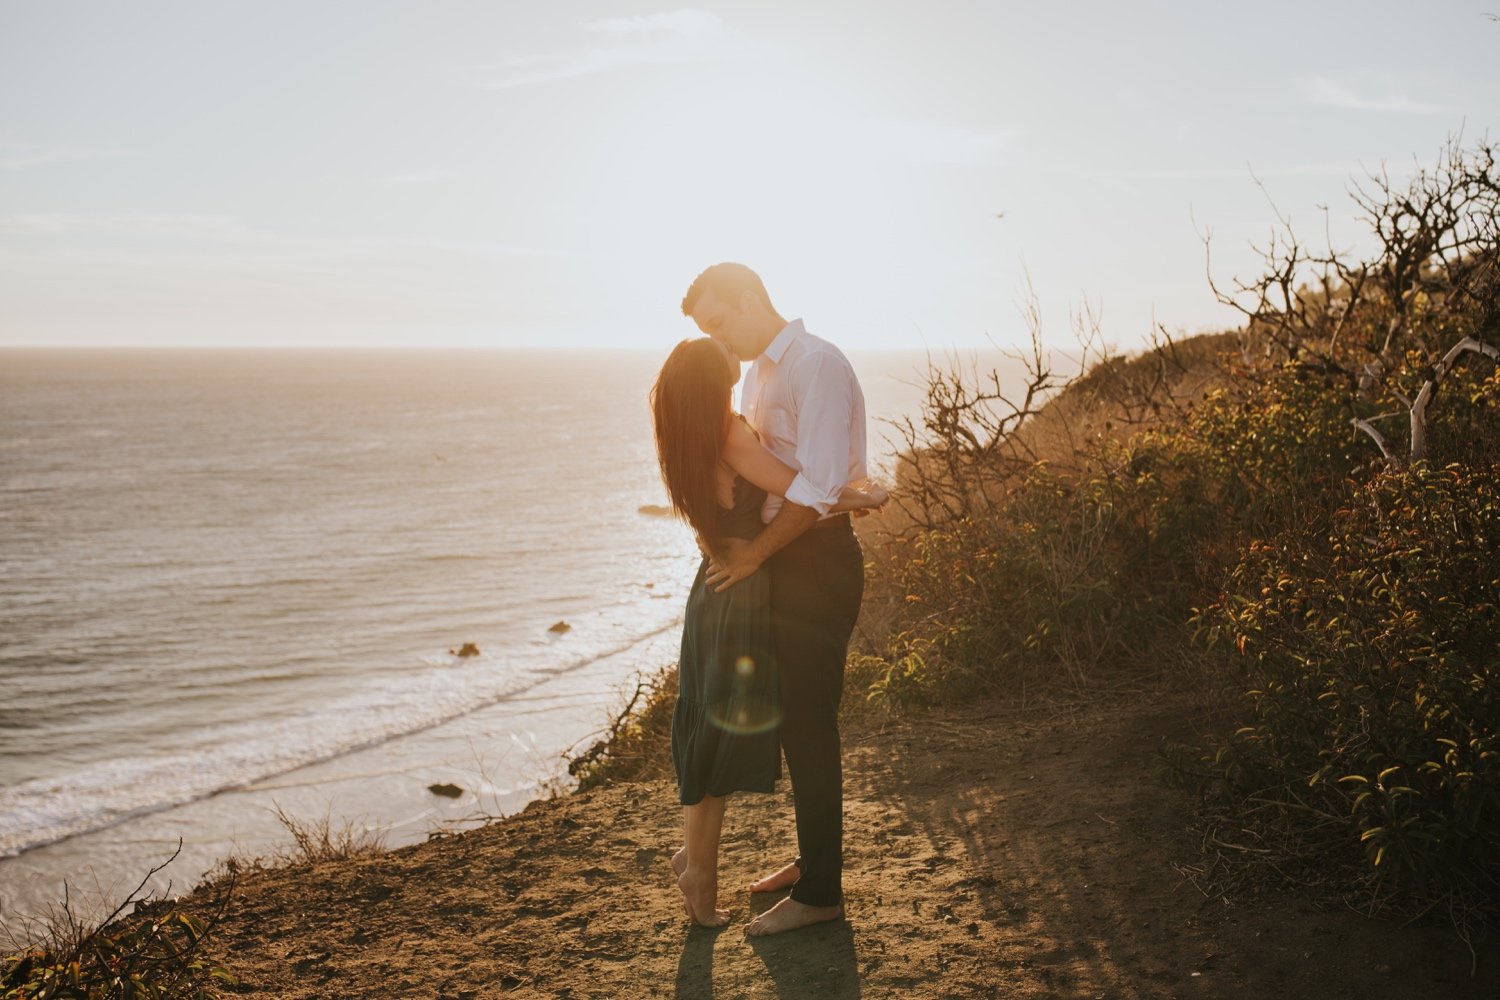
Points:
point(743, 558)
point(753, 461)
point(825, 389)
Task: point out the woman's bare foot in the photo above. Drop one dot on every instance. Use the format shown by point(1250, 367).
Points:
point(679, 862)
point(789, 915)
point(784, 879)
point(699, 896)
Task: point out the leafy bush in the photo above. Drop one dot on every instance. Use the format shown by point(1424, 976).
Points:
point(153, 957)
point(1373, 659)
point(638, 743)
point(153, 953)
point(1076, 576)
point(1276, 448)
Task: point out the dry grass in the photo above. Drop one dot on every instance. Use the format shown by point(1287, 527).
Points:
point(325, 838)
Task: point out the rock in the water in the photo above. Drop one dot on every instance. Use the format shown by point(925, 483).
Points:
point(559, 627)
point(445, 790)
point(467, 649)
point(655, 510)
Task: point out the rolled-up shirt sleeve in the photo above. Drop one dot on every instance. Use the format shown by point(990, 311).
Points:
point(824, 389)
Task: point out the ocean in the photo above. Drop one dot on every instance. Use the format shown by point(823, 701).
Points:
point(232, 582)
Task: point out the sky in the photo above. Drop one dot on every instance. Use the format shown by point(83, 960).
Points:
point(388, 174)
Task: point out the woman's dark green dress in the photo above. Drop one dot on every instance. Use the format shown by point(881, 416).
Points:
point(724, 728)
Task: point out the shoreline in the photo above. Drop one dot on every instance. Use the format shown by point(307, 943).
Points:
point(503, 756)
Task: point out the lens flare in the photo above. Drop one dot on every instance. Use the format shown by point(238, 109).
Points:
point(747, 710)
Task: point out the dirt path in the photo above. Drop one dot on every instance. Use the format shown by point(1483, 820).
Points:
point(987, 857)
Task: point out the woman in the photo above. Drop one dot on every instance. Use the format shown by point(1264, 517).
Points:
point(724, 739)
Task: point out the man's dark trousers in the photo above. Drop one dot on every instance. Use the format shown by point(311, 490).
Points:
point(817, 582)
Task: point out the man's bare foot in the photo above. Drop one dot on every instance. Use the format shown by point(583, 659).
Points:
point(784, 879)
point(679, 862)
point(788, 915)
point(699, 896)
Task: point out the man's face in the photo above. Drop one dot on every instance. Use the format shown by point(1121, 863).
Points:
point(726, 323)
point(730, 361)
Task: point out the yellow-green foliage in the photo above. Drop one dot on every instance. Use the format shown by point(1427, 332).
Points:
point(638, 744)
point(150, 957)
point(1047, 583)
point(1274, 445)
point(1372, 658)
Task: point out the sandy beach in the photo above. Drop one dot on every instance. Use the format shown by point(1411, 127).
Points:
point(990, 853)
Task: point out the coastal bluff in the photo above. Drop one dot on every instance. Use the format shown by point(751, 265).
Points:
point(990, 853)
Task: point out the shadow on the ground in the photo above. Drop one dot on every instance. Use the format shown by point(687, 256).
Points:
point(816, 961)
point(1061, 846)
point(695, 967)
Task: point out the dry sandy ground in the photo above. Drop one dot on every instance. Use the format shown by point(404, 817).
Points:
point(988, 855)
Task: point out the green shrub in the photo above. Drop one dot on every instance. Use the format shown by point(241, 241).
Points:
point(899, 686)
point(1276, 449)
point(150, 958)
point(1372, 658)
point(638, 743)
point(1071, 577)
point(153, 953)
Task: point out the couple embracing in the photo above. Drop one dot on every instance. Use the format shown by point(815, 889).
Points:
point(774, 603)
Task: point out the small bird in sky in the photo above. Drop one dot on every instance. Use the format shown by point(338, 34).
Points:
point(999, 215)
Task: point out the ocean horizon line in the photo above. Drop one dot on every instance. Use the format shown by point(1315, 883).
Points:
point(440, 348)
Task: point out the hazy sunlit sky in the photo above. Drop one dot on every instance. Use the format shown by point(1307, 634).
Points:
point(504, 173)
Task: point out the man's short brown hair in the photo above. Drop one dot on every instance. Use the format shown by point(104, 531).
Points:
point(729, 281)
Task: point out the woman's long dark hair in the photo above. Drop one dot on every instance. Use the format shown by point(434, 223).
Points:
point(690, 404)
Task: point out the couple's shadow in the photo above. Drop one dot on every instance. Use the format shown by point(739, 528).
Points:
point(814, 962)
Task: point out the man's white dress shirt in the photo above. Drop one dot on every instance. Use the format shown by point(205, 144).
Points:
point(803, 398)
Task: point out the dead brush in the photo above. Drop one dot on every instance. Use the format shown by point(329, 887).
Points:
point(327, 839)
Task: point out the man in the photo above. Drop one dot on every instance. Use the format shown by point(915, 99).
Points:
point(802, 396)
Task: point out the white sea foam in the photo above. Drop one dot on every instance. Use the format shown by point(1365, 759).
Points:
point(99, 794)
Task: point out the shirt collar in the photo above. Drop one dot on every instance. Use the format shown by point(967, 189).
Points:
point(777, 348)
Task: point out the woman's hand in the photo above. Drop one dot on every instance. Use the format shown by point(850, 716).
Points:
point(744, 453)
point(868, 499)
